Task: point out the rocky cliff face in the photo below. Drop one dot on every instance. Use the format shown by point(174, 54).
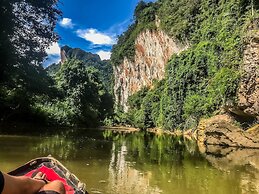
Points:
point(248, 93)
point(76, 53)
point(221, 130)
point(153, 49)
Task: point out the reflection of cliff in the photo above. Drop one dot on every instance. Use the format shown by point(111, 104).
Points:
point(227, 159)
point(125, 179)
point(153, 49)
point(230, 157)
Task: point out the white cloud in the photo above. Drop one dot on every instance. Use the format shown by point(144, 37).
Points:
point(96, 37)
point(66, 23)
point(54, 49)
point(104, 55)
point(50, 60)
point(53, 54)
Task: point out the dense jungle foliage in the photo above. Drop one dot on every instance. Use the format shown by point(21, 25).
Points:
point(89, 60)
point(75, 94)
point(23, 40)
point(82, 98)
point(200, 80)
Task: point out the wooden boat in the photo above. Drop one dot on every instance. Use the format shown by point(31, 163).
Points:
point(54, 170)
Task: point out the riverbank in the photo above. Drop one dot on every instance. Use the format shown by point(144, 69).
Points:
point(221, 130)
point(120, 128)
point(160, 131)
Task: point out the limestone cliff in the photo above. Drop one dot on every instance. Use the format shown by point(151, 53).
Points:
point(248, 92)
point(222, 129)
point(153, 49)
point(249, 88)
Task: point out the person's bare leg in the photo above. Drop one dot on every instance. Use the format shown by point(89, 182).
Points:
point(56, 186)
point(21, 184)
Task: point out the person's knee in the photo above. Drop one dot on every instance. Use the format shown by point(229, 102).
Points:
point(56, 185)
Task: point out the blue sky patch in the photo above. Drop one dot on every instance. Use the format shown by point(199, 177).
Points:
point(91, 25)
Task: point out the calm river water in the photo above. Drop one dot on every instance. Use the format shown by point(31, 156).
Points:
point(138, 163)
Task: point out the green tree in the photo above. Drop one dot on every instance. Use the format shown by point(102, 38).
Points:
point(202, 79)
point(83, 101)
point(26, 30)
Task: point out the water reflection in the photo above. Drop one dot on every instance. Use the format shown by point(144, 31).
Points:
point(125, 178)
point(244, 160)
point(147, 163)
point(130, 163)
point(158, 149)
point(57, 145)
point(230, 157)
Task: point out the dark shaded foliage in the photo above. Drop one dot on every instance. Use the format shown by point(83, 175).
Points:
point(84, 100)
point(26, 30)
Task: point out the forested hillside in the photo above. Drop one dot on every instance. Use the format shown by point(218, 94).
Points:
point(84, 83)
point(81, 99)
point(89, 60)
point(201, 80)
point(78, 93)
point(211, 47)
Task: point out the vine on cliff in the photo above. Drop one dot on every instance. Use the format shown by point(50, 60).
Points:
point(202, 79)
point(145, 14)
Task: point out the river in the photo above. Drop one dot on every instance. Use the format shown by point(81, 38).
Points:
point(133, 163)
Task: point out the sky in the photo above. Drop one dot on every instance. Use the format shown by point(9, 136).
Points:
point(92, 25)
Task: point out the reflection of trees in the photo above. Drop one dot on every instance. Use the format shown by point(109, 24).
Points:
point(147, 147)
point(141, 160)
point(123, 178)
point(148, 163)
point(57, 146)
point(68, 144)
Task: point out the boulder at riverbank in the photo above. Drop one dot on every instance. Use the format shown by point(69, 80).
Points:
point(221, 130)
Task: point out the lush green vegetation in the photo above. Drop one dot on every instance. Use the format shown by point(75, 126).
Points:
point(83, 99)
point(22, 49)
point(200, 80)
point(78, 92)
point(144, 19)
point(89, 60)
